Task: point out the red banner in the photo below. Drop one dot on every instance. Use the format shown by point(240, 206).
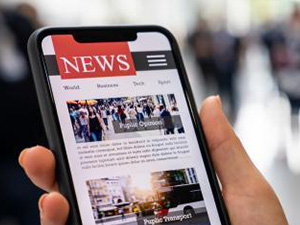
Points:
point(84, 60)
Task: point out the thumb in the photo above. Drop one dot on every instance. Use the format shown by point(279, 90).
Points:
point(231, 162)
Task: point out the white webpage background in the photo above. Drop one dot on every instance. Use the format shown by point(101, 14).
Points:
point(89, 90)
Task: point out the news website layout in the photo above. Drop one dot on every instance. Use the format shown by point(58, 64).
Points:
point(130, 142)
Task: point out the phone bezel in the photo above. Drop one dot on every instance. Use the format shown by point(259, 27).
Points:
point(51, 121)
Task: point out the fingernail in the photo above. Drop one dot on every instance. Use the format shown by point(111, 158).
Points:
point(41, 202)
point(219, 100)
point(22, 157)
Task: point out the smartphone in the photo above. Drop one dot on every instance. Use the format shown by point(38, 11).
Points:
point(121, 120)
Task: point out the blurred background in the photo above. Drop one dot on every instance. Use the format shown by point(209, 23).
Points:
point(247, 51)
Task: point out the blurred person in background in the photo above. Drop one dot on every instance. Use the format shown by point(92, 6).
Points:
point(283, 43)
point(217, 54)
point(226, 55)
point(201, 42)
point(20, 120)
point(30, 13)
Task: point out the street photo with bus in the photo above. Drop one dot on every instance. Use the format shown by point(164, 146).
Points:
point(172, 196)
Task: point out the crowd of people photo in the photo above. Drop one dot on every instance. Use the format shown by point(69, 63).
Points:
point(92, 119)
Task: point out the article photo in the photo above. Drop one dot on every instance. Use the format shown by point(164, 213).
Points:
point(166, 197)
point(124, 117)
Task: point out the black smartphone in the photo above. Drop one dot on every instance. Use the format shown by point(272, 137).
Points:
point(121, 120)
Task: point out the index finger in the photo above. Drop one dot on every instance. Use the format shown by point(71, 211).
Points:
point(39, 165)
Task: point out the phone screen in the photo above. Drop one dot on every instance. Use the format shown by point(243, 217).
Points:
point(130, 141)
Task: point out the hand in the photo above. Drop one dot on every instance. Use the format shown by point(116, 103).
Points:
point(39, 165)
point(248, 197)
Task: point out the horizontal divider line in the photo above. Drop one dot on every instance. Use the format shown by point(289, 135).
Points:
point(155, 56)
point(158, 64)
point(156, 60)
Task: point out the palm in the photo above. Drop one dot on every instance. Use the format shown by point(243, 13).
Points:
point(254, 210)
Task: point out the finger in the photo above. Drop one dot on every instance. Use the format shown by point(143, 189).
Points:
point(231, 162)
point(54, 209)
point(39, 165)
